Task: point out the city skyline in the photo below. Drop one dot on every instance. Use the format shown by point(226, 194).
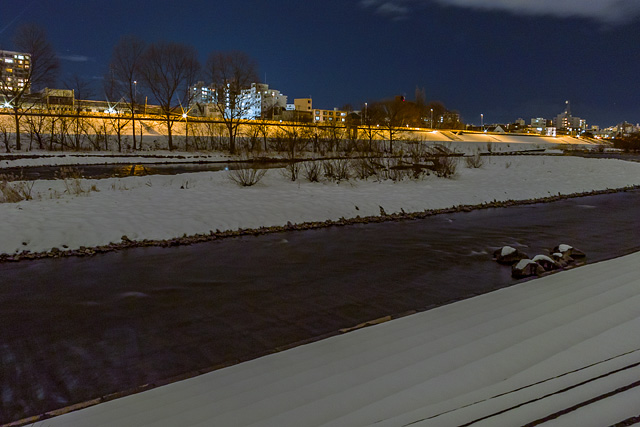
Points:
point(501, 61)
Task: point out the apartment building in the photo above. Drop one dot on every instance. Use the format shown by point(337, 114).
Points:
point(15, 68)
point(335, 115)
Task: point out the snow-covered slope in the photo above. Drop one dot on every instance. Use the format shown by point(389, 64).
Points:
point(165, 207)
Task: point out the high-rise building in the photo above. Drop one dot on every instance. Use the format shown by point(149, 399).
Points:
point(261, 102)
point(256, 102)
point(565, 121)
point(15, 68)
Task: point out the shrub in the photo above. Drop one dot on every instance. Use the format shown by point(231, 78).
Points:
point(12, 191)
point(445, 160)
point(445, 166)
point(292, 170)
point(337, 169)
point(629, 143)
point(72, 181)
point(246, 176)
point(474, 161)
point(363, 168)
point(311, 171)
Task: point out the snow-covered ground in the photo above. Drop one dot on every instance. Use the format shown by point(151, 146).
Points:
point(446, 366)
point(505, 358)
point(465, 142)
point(165, 207)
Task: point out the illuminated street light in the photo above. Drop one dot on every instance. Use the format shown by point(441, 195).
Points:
point(482, 121)
point(365, 112)
point(432, 118)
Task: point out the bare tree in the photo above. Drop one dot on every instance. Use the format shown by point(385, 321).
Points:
point(5, 132)
point(370, 124)
point(230, 73)
point(82, 91)
point(124, 68)
point(263, 127)
point(116, 121)
point(167, 70)
point(37, 70)
point(37, 124)
point(394, 115)
point(296, 137)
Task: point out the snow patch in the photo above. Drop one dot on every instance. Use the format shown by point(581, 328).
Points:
point(507, 250)
point(564, 248)
point(523, 263)
point(542, 258)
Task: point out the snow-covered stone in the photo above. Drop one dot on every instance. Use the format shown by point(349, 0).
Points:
point(546, 262)
point(561, 259)
point(569, 251)
point(526, 268)
point(508, 255)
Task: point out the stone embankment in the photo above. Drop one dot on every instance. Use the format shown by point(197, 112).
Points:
point(127, 243)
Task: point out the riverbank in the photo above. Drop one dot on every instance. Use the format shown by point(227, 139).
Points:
point(127, 243)
point(169, 210)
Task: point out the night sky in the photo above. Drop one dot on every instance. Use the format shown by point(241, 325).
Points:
point(505, 59)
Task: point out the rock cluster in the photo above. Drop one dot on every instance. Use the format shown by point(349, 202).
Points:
point(562, 256)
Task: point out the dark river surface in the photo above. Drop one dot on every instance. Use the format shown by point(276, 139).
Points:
point(75, 329)
point(123, 170)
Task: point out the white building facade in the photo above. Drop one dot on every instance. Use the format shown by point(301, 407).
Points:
point(260, 102)
point(256, 102)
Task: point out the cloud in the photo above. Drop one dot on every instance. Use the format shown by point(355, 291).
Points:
point(608, 11)
point(605, 11)
point(396, 9)
point(75, 58)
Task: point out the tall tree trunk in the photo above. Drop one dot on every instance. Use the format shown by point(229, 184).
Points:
point(232, 139)
point(133, 126)
point(17, 118)
point(169, 125)
point(119, 134)
point(186, 133)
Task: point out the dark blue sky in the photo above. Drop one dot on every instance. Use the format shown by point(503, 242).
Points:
point(502, 63)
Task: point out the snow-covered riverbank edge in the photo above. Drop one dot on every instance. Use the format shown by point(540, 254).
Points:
point(127, 243)
point(175, 210)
